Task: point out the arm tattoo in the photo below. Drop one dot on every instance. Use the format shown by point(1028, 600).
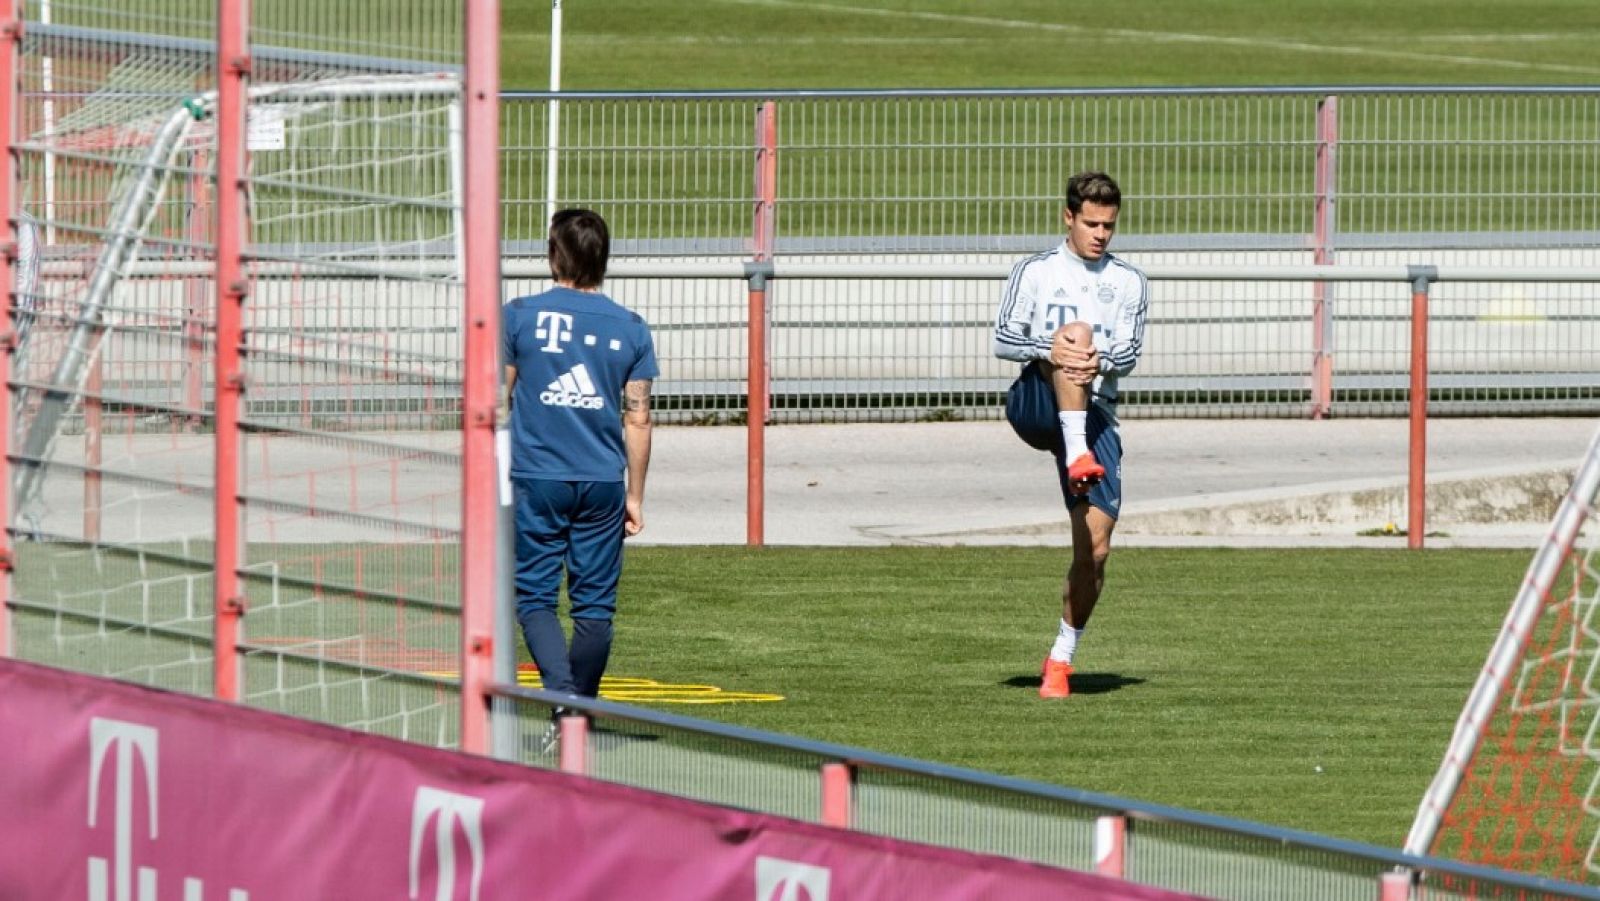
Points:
point(636, 397)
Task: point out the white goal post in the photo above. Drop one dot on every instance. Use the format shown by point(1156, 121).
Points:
point(1519, 786)
point(317, 213)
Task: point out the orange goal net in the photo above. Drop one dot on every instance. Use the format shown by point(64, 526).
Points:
point(1518, 786)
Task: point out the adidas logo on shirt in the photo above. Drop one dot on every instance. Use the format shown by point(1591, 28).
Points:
point(573, 389)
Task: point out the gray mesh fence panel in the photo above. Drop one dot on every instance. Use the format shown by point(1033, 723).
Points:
point(351, 567)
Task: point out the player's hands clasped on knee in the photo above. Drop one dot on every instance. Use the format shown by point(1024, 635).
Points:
point(1081, 361)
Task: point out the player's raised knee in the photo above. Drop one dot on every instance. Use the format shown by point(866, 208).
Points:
point(1078, 333)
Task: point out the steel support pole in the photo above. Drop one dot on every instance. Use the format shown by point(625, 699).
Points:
point(1417, 486)
point(1323, 231)
point(838, 781)
point(756, 412)
point(10, 50)
point(1395, 886)
point(1111, 845)
point(233, 81)
point(762, 246)
point(481, 370)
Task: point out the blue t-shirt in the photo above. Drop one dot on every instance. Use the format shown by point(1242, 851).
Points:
point(573, 351)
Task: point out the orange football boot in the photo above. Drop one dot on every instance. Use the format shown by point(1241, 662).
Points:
point(1055, 681)
point(1084, 473)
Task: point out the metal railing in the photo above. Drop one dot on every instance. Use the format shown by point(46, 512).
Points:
point(1220, 170)
point(914, 800)
point(1418, 341)
point(1426, 353)
point(1237, 178)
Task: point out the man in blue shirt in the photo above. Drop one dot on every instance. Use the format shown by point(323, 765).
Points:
point(577, 380)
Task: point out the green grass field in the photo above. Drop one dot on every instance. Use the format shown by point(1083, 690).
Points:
point(706, 44)
point(1211, 679)
point(1215, 680)
point(1313, 689)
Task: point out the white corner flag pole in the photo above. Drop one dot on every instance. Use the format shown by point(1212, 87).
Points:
point(554, 140)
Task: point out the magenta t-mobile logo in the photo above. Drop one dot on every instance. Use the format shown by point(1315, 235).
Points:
point(446, 809)
point(127, 745)
point(789, 880)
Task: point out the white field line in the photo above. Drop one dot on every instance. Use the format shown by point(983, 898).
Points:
point(1177, 37)
point(609, 40)
point(1533, 38)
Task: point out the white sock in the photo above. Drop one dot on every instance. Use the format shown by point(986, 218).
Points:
point(1074, 428)
point(1066, 643)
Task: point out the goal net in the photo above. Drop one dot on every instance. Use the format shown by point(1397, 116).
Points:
point(350, 428)
point(1519, 787)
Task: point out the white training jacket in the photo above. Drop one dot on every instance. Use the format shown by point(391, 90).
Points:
point(1050, 289)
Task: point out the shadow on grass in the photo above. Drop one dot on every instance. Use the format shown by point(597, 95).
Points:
point(1082, 683)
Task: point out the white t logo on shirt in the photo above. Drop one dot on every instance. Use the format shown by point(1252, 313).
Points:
point(554, 328)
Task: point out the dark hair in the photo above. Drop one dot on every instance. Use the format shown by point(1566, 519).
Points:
point(1095, 187)
point(580, 246)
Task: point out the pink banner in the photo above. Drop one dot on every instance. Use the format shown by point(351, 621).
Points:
point(113, 791)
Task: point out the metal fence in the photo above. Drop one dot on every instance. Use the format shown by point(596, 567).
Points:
point(150, 509)
point(136, 553)
point(1215, 171)
point(933, 803)
point(847, 340)
point(1230, 179)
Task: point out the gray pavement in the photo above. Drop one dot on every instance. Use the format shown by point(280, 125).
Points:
point(1491, 482)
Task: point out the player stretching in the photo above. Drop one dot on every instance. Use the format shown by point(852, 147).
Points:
point(573, 357)
point(1075, 316)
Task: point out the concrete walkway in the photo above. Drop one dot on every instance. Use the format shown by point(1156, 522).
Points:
point(1491, 482)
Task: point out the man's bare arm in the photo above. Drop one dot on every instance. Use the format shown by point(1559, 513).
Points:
point(503, 417)
point(636, 428)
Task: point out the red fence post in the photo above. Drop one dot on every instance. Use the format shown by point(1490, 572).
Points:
point(1395, 886)
point(837, 781)
point(10, 47)
point(759, 376)
point(764, 228)
point(1111, 845)
point(481, 369)
point(756, 416)
point(233, 76)
point(573, 732)
point(1323, 230)
point(1417, 485)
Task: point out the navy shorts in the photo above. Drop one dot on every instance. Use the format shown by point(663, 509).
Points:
point(574, 527)
point(1031, 410)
